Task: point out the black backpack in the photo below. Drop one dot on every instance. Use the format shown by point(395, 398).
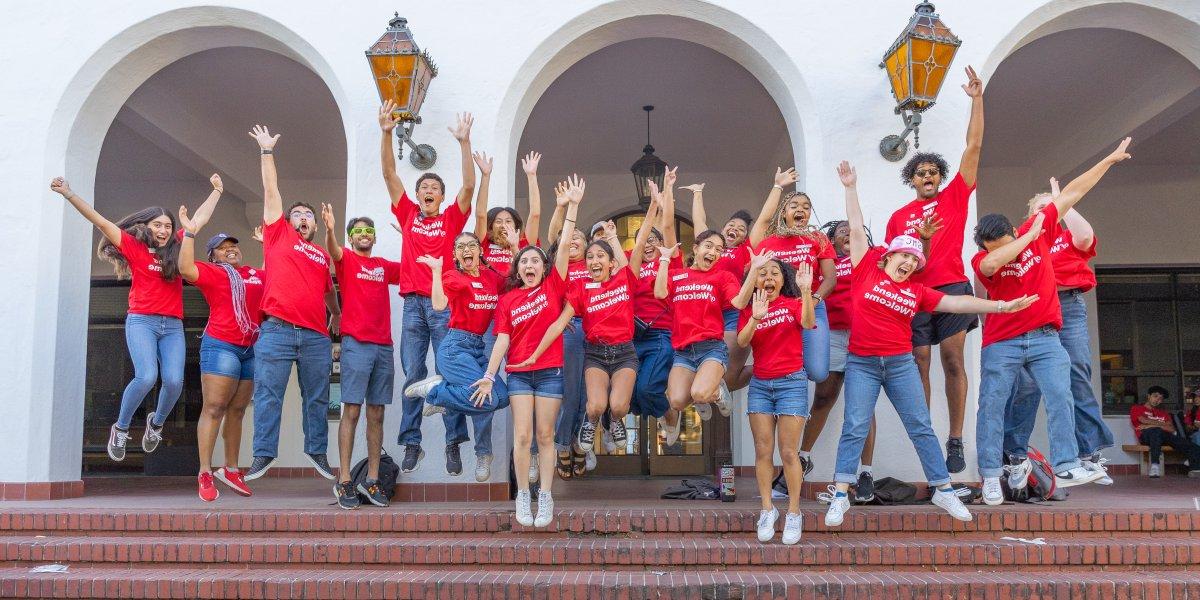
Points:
point(388, 473)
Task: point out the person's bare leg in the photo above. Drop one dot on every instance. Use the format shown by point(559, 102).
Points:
point(679, 388)
point(547, 415)
point(621, 392)
point(951, 350)
point(921, 355)
point(706, 385)
point(762, 427)
point(737, 360)
point(218, 391)
point(231, 426)
point(596, 382)
point(374, 439)
point(346, 428)
point(788, 429)
point(825, 397)
point(522, 424)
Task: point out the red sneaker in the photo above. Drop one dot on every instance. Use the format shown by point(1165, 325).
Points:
point(208, 491)
point(234, 479)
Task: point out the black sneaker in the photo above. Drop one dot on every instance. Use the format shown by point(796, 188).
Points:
point(807, 463)
point(259, 467)
point(370, 488)
point(321, 464)
point(412, 458)
point(616, 428)
point(864, 490)
point(347, 498)
point(955, 463)
point(586, 437)
point(453, 461)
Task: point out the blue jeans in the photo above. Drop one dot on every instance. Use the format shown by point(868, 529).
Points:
point(899, 378)
point(226, 360)
point(816, 346)
point(421, 326)
point(279, 345)
point(570, 417)
point(461, 361)
point(655, 356)
point(157, 349)
point(1091, 433)
point(1040, 353)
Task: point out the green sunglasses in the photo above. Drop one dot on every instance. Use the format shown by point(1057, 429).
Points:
point(362, 231)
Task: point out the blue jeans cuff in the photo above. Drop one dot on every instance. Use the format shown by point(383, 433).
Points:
point(845, 478)
point(999, 472)
point(940, 483)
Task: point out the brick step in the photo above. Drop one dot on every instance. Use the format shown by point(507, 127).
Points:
point(399, 519)
point(260, 584)
point(491, 553)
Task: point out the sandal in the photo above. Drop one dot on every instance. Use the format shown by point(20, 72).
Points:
point(578, 463)
point(565, 466)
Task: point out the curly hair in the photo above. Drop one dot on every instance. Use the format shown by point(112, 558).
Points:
point(910, 168)
point(789, 288)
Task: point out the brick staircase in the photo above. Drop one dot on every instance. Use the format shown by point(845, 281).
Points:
point(410, 551)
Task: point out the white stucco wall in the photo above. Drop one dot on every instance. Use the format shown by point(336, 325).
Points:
point(59, 98)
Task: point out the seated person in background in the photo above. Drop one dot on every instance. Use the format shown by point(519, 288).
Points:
point(1191, 416)
point(1152, 426)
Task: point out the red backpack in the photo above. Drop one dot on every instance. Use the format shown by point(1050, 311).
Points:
point(1041, 484)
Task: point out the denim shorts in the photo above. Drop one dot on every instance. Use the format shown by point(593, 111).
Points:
point(610, 358)
point(787, 395)
point(693, 355)
point(839, 347)
point(730, 316)
point(546, 383)
point(368, 372)
point(225, 359)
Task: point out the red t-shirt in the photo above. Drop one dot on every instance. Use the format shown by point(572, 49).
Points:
point(645, 306)
point(149, 293)
point(577, 270)
point(837, 303)
point(1141, 410)
point(499, 258)
point(606, 307)
point(525, 315)
point(777, 344)
point(213, 282)
point(884, 309)
point(945, 264)
point(366, 310)
point(425, 235)
point(295, 291)
point(1030, 273)
point(472, 300)
point(796, 250)
point(696, 300)
point(1071, 268)
point(735, 260)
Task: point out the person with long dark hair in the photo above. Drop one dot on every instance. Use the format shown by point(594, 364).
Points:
point(144, 248)
point(500, 229)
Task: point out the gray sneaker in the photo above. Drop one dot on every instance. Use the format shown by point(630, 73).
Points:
point(483, 468)
point(117, 438)
point(153, 436)
point(258, 467)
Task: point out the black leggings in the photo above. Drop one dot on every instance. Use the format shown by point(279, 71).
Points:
point(1156, 438)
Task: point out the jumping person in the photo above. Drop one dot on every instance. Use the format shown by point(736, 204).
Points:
point(234, 293)
point(783, 227)
point(925, 172)
point(500, 229)
point(295, 329)
point(425, 231)
point(536, 292)
point(885, 301)
point(777, 404)
point(144, 248)
point(1016, 262)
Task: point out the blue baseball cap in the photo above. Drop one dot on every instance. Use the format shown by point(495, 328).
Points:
point(216, 240)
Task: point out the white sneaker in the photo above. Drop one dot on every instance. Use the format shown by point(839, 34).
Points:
point(533, 468)
point(589, 461)
point(1155, 470)
point(545, 512)
point(725, 400)
point(703, 410)
point(483, 468)
point(825, 497)
point(524, 512)
point(422, 388)
point(1018, 474)
point(766, 524)
point(793, 526)
point(992, 494)
point(1076, 476)
point(951, 503)
point(670, 433)
point(610, 445)
point(430, 409)
point(838, 505)
point(1098, 465)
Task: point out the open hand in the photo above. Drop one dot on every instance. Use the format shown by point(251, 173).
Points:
point(847, 174)
point(529, 164)
point(1120, 153)
point(388, 121)
point(929, 226)
point(433, 262)
point(510, 236)
point(560, 194)
point(759, 308)
point(483, 161)
point(257, 235)
point(575, 188)
point(327, 216)
point(263, 136)
point(483, 390)
point(695, 188)
point(804, 276)
point(760, 260)
point(1021, 303)
point(785, 178)
point(462, 127)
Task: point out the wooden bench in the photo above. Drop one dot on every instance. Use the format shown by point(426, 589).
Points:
point(1169, 454)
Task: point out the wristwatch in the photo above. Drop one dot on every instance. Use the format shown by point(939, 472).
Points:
point(817, 297)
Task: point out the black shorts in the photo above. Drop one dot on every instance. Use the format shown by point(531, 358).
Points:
point(929, 329)
point(610, 358)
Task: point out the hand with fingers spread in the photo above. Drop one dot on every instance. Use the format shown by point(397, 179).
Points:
point(1121, 153)
point(484, 162)
point(327, 216)
point(186, 221)
point(929, 226)
point(804, 276)
point(847, 174)
point(462, 127)
point(1018, 304)
point(388, 120)
point(575, 189)
point(760, 260)
point(560, 194)
point(974, 85)
point(666, 253)
point(785, 178)
point(483, 391)
point(216, 182)
point(530, 163)
point(759, 308)
point(433, 262)
point(257, 235)
point(511, 236)
point(263, 136)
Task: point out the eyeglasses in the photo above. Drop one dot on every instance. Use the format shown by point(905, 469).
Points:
point(362, 231)
point(307, 214)
point(466, 246)
point(928, 172)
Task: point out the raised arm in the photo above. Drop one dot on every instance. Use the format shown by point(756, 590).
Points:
point(574, 194)
point(699, 217)
point(670, 236)
point(969, 165)
point(272, 201)
point(610, 235)
point(757, 261)
point(205, 210)
point(1081, 185)
point(331, 246)
point(111, 232)
point(665, 253)
point(437, 295)
point(854, 217)
point(187, 247)
point(533, 222)
point(556, 328)
point(387, 124)
point(808, 307)
point(759, 231)
point(560, 214)
point(969, 304)
point(758, 313)
point(484, 162)
point(1007, 253)
point(1082, 234)
point(638, 254)
point(462, 132)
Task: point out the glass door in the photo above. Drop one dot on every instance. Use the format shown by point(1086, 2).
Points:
point(646, 453)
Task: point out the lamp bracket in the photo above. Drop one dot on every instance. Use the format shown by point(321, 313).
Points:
point(423, 156)
point(894, 147)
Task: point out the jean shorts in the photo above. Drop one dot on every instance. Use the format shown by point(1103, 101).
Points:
point(693, 355)
point(225, 359)
point(839, 347)
point(610, 358)
point(546, 383)
point(787, 395)
point(730, 316)
point(368, 372)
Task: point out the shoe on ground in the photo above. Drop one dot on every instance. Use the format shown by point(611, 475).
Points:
point(117, 439)
point(483, 468)
point(1096, 462)
point(453, 460)
point(346, 497)
point(951, 503)
point(993, 495)
point(1191, 473)
point(432, 409)
point(1156, 470)
point(793, 526)
point(586, 436)
point(533, 469)
point(208, 489)
point(1076, 476)
point(1018, 473)
point(373, 492)
point(864, 490)
point(524, 511)
point(545, 512)
point(234, 480)
point(616, 429)
point(412, 458)
point(422, 388)
point(766, 524)
point(670, 433)
point(703, 410)
point(258, 467)
point(955, 463)
point(838, 506)
point(153, 436)
point(807, 464)
point(724, 400)
point(321, 463)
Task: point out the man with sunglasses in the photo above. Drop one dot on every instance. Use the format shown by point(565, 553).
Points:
point(294, 329)
point(944, 270)
point(426, 230)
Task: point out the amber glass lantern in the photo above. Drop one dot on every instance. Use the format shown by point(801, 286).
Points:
point(647, 168)
point(916, 66)
point(402, 73)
